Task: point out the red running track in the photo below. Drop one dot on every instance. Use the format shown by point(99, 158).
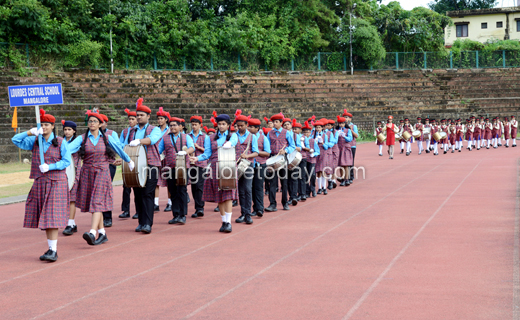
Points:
point(422, 237)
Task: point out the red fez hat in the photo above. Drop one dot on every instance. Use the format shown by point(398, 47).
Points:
point(46, 117)
point(140, 107)
point(130, 113)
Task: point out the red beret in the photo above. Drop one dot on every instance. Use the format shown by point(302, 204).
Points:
point(46, 117)
point(341, 119)
point(306, 126)
point(277, 117)
point(179, 120)
point(267, 120)
point(196, 118)
point(254, 122)
point(286, 120)
point(266, 130)
point(242, 118)
point(94, 114)
point(297, 125)
point(390, 117)
point(139, 106)
point(105, 118)
point(319, 123)
point(130, 113)
point(161, 113)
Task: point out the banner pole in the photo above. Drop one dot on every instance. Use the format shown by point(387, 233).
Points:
point(38, 126)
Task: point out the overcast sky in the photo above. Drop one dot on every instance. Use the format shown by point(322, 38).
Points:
point(410, 4)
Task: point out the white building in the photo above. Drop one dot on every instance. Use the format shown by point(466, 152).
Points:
point(483, 25)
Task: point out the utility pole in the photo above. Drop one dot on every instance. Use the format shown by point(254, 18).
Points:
point(350, 29)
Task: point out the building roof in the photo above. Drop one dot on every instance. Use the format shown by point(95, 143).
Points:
point(477, 12)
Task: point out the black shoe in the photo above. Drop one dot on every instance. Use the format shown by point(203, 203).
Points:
point(195, 215)
point(402, 150)
point(102, 238)
point(107, 223)
point(124, 215)
point(240, 219)
point(347, 183)
point(200, 213)
point(271, 208)
point(135, 216)
point(314, 194)
point(300, 198)
point(303, 198)
point(334, 184)
point(325, 192)
point(342, 184)
point(189, 200)
point(427, 151)
point(408, 153)
point(156, 208)
point(460, 150)
point(253, 213)
point(181, 220)
point(286, 207)
point(223, 227)
point(139, 228)
point(146, 229)
point(227, 228)
point(445, 152)
point(248, 219)
point(216, 209)
point(168, 208)
point(174, 220)
point(478, 148)
point(70, 230)
point(329, 185)
point(259, 214)
point(452, 151)
point(320, 191)
point(235, 203)
point(89, 237)
point(50, 256)
point(294, 202)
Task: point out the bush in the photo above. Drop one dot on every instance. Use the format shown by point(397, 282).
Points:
point(83, 54)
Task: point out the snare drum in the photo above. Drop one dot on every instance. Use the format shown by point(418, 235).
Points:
point(71, 174)
point(398, 136)
point(381, 137)
point(444, 135)
point(276, 162)
point(242, 167)
point(294, 158)
point(226, 169)
point(416, 134)
point(135, 178)
point(181, 174)
point(406, 135)
point(426, 132)
point(437, 136)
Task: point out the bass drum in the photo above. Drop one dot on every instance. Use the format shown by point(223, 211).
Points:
point(226, 169)
point(294, 158)
point(181, 173)
point(135, 178)
point(71, 175)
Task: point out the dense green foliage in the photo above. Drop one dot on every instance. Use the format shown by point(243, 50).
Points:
point(442, 6)
point(204, 34)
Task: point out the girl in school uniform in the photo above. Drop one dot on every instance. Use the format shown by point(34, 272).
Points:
point(322, 164)
point(47, 204)
point(95, 193)
point(69, 134)
point(225, 139)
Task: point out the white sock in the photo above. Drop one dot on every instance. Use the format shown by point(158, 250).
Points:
point(223, 218)
point(228, 216)
point(53, 244)
point(500, 140)
point(507, 142)
point(169, 201)
point(93, 232)
point(514, 141)
point(101, 231)
point(381, 149)
point(71, 223)
point(156, 201)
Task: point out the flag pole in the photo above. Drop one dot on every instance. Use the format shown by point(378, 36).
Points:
point(38, 126)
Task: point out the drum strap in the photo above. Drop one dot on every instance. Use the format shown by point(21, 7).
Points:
point(174, 145)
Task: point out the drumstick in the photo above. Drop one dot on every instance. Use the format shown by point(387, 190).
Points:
point(282, 148)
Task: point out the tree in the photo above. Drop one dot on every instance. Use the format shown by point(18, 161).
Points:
point(442, 6)
point(366, 43)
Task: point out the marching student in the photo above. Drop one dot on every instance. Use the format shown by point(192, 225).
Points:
point(500, 131)
point(488, 134)
point(95, 193)
point(201, 142)
point(334, 138)
point(379, 130)
point(391, 130)
point(266, 130)
point(434, 129)
point(148, 136)
point(163, 121)
point(69, 134)
point(172, 143)
point(427, 137)
point(444, 141)
point(419, 126)
point(112, 166)
point(514, 130)
point(302, 187)
point(246, 148)
point(223, 138)
point(346, 160)
point(407, 127)
point(469, 133)
point(401, 140)
point(47, 205)
point(292, 183)
point(309, 152)
point(125, 204)
point(476, 133)
point(282, 142)
point(453, 136)
point(507, 131)
point(355, 134)
point(496, 132)
point(322, 163)
point(264, 150)
point(459, 135)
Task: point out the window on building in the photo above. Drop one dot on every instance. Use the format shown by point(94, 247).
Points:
point(499, 24)
point(462, 30)
point(483, 25)
point(518, 25)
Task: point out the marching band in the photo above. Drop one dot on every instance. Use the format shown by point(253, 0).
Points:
point(450, 134)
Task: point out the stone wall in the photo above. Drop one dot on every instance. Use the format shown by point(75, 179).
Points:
point(369, 96)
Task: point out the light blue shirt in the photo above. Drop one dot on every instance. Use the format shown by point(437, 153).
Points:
point(348, 137)
point(154, 136)
point(290, 140)
point(355, 131)
point(254, 141)
point(325, 139)
point(114, 135)
point(207, 141)
point(316, 147)
point(75, 145)
point(220, 141)
point(24, 142)
point(267, 144)
point(122, 138)
point(189, 141)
